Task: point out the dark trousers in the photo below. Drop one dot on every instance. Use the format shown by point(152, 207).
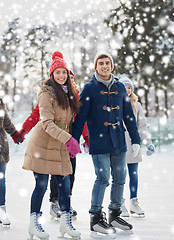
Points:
point(53, 183)
point(63, 185)
point(2, 183)
point(133, 179)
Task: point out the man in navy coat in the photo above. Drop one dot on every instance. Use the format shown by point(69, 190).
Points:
point(105, 106)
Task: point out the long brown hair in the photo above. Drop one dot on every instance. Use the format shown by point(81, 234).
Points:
point(65, 100)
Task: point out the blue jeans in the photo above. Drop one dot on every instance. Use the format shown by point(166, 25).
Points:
point(2, 183)
point(53, 184)
point(133, 179)
point(63, 184)
point(103, 163)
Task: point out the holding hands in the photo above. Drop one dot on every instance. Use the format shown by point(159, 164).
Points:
point(19, 136)
point(73, 147)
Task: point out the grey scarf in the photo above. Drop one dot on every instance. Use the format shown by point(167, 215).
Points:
point(107, 83)
point(65, 88)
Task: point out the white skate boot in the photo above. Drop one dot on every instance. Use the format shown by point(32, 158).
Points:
point(66, 226)
point(124, 210)
point(74, 214)
point(55, 210)
point(3, 216)
point(135, 208)
point(35, 228)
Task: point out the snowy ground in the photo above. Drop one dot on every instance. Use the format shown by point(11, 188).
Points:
point(156, 194)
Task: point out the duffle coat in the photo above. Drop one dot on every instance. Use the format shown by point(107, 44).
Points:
point(144, 134)
point(6, 125)
point(46, 151)
point(105, 111)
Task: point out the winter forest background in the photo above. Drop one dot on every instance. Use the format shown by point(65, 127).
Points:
point(138, 34)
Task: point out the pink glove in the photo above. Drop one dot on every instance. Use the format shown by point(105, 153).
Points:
point(73, 147)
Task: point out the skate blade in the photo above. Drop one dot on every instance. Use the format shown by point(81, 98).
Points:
point(37, 238)
point(96, 235)
point(5, 225)
point(133, 214)
point(125, 217)
point(68, 238)
point(55, 219)
point(124, 232)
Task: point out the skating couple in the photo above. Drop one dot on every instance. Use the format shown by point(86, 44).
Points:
point(50, 143)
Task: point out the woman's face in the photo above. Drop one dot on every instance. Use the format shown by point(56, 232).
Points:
point(60, 75)
point(72, 78)
point(129, 89)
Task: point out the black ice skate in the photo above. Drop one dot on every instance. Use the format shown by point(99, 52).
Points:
point(55, 211)
point(117, 222)
point(100, 228)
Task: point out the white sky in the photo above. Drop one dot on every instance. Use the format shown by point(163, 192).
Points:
point(44, 10)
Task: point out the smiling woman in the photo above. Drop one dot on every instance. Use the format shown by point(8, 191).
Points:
point(50, 144)
point(60, 75)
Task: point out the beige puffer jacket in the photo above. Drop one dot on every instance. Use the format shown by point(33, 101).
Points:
point(46, 152)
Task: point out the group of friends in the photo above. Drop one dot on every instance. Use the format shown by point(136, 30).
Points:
point(110, 118)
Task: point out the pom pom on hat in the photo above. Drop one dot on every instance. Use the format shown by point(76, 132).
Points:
point(58, 62)
point(126, 81)
point(57, 54)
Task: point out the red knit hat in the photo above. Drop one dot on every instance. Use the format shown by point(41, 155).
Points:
point(58, 62)
point(71, 73)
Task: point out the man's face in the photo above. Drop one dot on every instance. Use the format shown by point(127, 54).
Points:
point(104, 68)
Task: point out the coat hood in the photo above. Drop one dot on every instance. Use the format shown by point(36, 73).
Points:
point(46, 88)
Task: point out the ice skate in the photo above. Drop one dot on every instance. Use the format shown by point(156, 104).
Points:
point(135, 208)
point(4, 220)
point(124, 210)
point(55, 211)
point(66, 226)
point(35, 228)
point(99, 227)
point(117, 222)
point(74, 214)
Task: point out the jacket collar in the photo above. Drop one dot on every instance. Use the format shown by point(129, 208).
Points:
point(47, 88)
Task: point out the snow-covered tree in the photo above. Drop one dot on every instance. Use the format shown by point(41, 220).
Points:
point(36, 57)
point(10, 52)
point(145, 29)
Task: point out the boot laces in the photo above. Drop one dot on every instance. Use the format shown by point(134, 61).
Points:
point(69, 220)
point(103, 220)
point(123, 208)
point(136, 204)
point(136, 201)
point(39, 226)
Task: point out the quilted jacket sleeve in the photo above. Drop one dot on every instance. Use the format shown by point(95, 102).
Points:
point(47, 113)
